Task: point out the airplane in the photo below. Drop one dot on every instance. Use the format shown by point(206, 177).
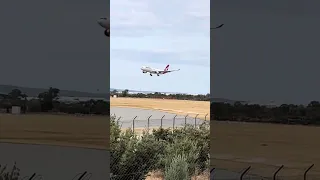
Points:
point(218, 26)
point(146, 69)
point(105, 23)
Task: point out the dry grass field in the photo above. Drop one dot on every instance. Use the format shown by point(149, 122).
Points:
point(64, 130)
point(179, 107)
point(265, 147)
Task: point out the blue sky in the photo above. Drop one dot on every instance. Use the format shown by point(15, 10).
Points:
point(154, 33)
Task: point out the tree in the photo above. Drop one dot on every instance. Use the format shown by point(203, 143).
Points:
point(15, 94)
point(47, 98)
point(114, 92)
point(125, 93)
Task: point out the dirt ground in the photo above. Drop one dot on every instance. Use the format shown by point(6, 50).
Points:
point(64, 130)
point(265, 147)
point(179, 107)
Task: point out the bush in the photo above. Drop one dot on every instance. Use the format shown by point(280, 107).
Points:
point(181, 147)
point(134, 157)
point(13, 174)
point(177, 169)
point(188, 139)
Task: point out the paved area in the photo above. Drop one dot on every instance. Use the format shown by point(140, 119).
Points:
point(56, 162)
point(127, 115)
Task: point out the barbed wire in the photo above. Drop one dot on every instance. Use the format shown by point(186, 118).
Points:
point(83, 176)
point(80, 176)
point(245, 174)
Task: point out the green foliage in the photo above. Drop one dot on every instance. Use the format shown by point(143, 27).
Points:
point(133, 157)
point(158, 95)
point(182, 147)
point(125, 93)
point(284, 114)
point(48, 101)
point(12, 174)
point(177, 169)
point(190, 141)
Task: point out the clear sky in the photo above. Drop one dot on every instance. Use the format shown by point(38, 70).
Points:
point(154, 33)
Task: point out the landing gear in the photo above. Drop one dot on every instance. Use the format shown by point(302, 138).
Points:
point(150, 74)
point(107, 33)
point(158, 75)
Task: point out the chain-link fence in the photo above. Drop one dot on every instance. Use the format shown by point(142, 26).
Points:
point(170, 147)
point(137, 124)
point(14, 174)
point(279, 173)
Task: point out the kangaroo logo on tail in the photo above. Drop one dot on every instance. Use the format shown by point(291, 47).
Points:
point(167, 68)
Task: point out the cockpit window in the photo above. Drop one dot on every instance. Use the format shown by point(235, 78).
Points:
point(103, 18)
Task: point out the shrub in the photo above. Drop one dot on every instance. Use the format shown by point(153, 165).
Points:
point(134, 157)
point(13, 174)
point(177, 169)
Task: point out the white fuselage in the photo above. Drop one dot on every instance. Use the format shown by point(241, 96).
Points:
point(146, 69)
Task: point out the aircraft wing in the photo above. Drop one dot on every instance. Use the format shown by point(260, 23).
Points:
point(218, 26)
point(163, 72)
point(173, 70)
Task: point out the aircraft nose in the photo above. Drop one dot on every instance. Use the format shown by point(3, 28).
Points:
point(100, 22)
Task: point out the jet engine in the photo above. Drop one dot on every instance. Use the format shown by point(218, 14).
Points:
point(107, 32)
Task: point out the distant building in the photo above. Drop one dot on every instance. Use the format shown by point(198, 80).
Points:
point(16, 110)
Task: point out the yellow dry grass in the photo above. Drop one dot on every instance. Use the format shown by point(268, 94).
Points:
point(63, 130)
point(265, 147)
point(179, 107)
point(156, 175)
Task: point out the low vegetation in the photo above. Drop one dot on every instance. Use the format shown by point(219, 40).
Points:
point(48, 101)
point(184, 151)
point(284, 114)
point(159, 95)
point(9, 174)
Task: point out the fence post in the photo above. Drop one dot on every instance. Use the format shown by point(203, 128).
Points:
point(149, 123)
point(305, 173)
point(174, 121)
point(211, 173)
point(244, 172)
point(133, 123)
point(185, 120)
point(119, 121)
point(33, 175)
point(82, 175)
point(205, 117)
point(195, 121)
point(275, 174)
point(161, 121)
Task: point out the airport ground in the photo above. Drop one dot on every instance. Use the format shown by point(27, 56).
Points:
point(234, 146)
point(62, 130)
point(265, 147)
point(179, 107)
point(84, 131)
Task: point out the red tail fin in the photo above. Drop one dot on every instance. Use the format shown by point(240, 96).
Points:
point(167, 68)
